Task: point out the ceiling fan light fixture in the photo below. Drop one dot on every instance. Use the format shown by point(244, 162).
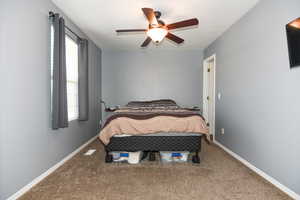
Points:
point(157, 34)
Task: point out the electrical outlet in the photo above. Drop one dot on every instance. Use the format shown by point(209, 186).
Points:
point(219, 96)
point(222, 131)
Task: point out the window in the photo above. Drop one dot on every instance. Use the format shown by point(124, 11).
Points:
point(72, 77)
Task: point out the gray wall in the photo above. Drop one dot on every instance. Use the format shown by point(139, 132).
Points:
point(28, 145)
point(260, 105)
point(146, 74)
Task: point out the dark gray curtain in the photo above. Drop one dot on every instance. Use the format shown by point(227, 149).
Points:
point(83, 89)
point(59, 83)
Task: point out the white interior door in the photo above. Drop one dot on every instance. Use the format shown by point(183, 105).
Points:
point(209, 93)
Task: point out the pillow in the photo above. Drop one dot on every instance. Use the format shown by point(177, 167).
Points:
point(153, 103)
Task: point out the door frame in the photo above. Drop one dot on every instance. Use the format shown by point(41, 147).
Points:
point(206, 62)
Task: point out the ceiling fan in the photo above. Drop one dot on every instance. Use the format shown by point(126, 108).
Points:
point(157, 29)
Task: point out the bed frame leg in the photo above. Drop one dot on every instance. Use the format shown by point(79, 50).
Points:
point(151, 156)
point(145, 154)
point(196, 158)
point(108, 157)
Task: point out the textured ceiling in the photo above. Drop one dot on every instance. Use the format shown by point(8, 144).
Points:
point(100, 18)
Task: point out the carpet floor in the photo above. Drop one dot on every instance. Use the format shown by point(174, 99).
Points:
point(218, 177)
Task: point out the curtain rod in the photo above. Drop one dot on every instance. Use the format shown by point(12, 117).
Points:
point(51, 14)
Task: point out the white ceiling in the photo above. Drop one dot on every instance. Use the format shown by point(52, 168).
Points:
point(100, 18)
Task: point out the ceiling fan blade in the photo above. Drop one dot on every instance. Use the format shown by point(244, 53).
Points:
point(149, 13)
point(146, 42)
point(131, 30)
point(185, 23)
point(174, 38)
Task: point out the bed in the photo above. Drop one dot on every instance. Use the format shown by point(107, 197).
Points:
point(152, 126)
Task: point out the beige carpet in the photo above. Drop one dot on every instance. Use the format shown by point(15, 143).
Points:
point(219, 176)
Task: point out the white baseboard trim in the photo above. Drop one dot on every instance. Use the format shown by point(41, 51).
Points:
point(270, 179)
point(49, 171)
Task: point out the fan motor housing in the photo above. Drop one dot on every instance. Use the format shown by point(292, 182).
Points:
point(160, 22)
point(157, 14)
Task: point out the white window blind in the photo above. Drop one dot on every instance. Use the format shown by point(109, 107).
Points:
point(72, 77)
